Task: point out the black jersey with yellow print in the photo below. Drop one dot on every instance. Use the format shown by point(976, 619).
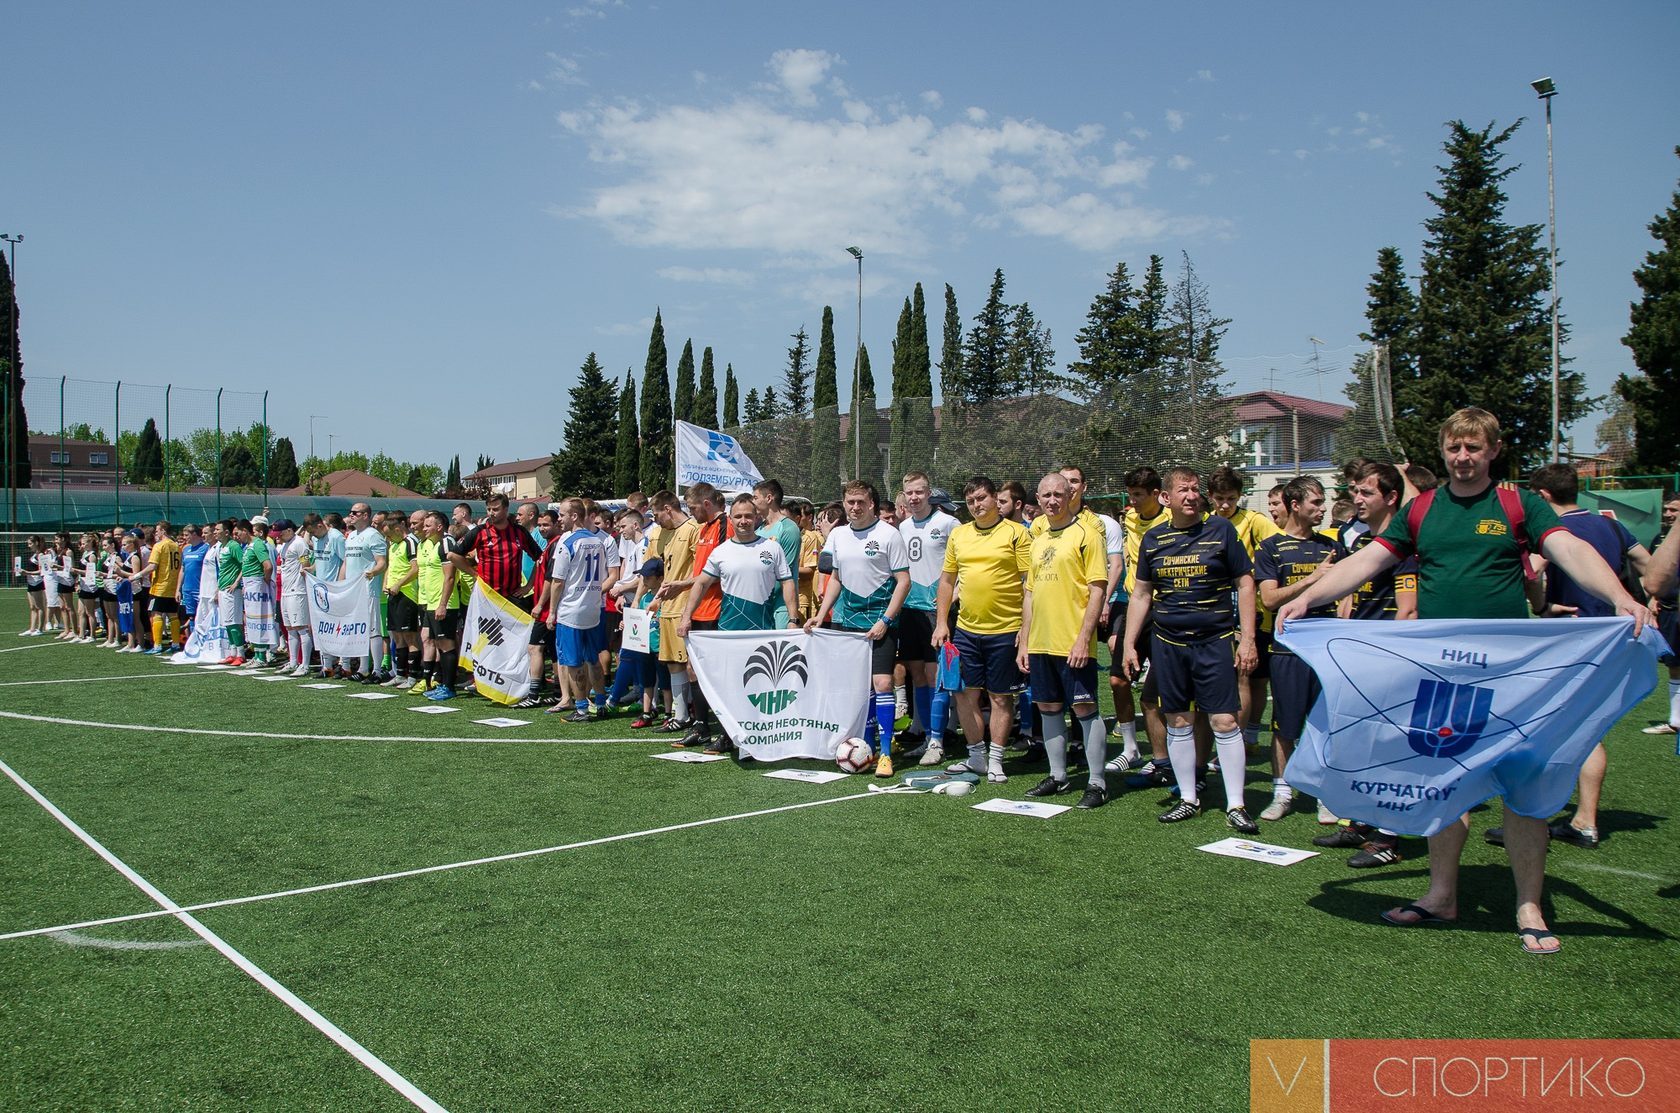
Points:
point(1285, 560)
point(1376, 597)
point(1193, 572)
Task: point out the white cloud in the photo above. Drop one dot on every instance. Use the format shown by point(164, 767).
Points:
point(722, 276)
point(1175, 119)
point(1140, 134)
point(755, 174)
point(1181, 162)
point(564, 71)
point(1301, 152)
point(1204, 179)
point(800, 72)
point(933, 99)
point(1204, 75)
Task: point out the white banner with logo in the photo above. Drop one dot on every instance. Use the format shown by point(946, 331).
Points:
point(207, 644)
point(1421, 721)
point(341, 616)
point(708, 456)
point(784, 693)
point(638, 636)
point(494, 641)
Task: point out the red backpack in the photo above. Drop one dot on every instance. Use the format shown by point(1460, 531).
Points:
point(1509, 501)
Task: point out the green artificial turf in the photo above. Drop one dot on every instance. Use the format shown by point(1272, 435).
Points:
point(883, 952)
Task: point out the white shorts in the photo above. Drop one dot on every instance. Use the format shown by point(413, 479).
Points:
point(232, 606)
point(294, 611)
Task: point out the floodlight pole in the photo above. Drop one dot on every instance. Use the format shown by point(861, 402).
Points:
point(857, 374)
point(13, 377)
point(1547, 89)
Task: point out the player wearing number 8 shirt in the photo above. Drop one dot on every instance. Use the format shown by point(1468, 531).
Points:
point(1187, 571)
point(926, 530)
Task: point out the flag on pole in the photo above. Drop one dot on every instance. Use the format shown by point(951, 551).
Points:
point(784, 693)
point(708, 456)
point(494, 641)
point(1421, 721)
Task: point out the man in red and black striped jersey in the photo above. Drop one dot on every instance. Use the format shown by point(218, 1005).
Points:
point(499, 544)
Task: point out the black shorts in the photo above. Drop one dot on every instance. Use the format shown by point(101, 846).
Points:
point(883, 655)
point(1117, 662)
point(161, 605)
point(35, 589)
point(1668, 624)
point(1053, 680)
point(1262, 655)
point(83, 593)
point(402, 614)
point(543, 638)
point(703, 624)
point(447, 628)
point(1295, 689)
point(915, 636)
point(1200, 674)
point(988, 662)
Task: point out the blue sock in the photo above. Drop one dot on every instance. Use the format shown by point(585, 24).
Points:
point(938, 712)
point(884, 720)
point(581, 705)
point(1023, 711)
point(924, 708)
point(869, 729)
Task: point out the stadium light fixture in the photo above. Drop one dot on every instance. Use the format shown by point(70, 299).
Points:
point(1546, 89)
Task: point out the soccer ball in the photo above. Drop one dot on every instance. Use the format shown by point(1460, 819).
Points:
point(854, 756)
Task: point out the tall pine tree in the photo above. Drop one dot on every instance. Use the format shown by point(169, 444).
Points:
point(912, 405)
point(584, 466)
point(1654, 339)
point(952, 384)
point(796, 378)
point(706, 394)
point(627, 447)
point(682, 401)
point(11, 378)
point(731, 398)
point(658, 465)
point(753, 411)
point(283, 468)
point(986, 355)
point(863, 453)
point(1484, 324)
point(825, 416)
point(1391, 312)
point(147, 465)
point(1206, 416)
point(794, 438)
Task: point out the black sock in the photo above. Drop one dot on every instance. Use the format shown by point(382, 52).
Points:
point(428, 669)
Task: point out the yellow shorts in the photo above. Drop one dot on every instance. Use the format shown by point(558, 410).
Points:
point(672, 649)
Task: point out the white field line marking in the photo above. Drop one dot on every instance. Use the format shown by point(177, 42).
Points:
point(424, 870)
point(498, 740)
point(77, 939)
point(37, 645)
point(326, 1027)
point(1594, 866)
point(102, 679)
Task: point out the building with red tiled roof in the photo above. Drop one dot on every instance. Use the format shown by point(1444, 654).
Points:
point(350, 483)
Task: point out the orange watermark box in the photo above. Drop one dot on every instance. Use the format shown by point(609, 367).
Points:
point(1472, 1076)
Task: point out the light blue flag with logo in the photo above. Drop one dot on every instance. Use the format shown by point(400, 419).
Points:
point(1421, 721)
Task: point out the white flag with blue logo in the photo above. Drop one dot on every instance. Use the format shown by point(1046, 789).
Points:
point(1421, 721)
point(708, 456)
point(341, 615)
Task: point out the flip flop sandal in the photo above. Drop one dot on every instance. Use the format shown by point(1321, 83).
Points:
point(1425, 918)
point(1531, 937)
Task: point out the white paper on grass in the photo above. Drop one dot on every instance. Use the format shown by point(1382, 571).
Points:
point(1258, 851)
point(810, 776)
point(266, 677)
point(434, 709)
point(215, 668)
point(688, 757)
point(1030, 808)
point(373, 695)
point(502, 721)
point(321, 687)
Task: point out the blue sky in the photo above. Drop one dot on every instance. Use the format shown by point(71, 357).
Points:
point(418, 220)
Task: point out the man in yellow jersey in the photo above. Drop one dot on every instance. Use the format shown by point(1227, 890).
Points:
point(678, 536)
point(1060, 607)
point(1225, 490)
point(163, 565)
point(991, 554)
point(1144, 511)
point(402, 600)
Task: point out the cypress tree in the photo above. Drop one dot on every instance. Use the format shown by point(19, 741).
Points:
point(863, 455)
point(11, 378)
point(952, 389)
point(283, 468)
point(754, 412)
point(585, 464)
point(682, 403)
point(731, 398)
point(706, 395)
point(986, 355)
point(658, 464)
point(627, 448)
point(1654, 339)
point(147, 465)
point(825, 415)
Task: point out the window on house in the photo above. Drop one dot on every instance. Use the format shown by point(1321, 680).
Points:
point(99, 459)
point(57, 457)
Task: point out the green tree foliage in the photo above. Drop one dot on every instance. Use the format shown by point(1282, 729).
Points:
point(584, 466)
point(682, 401)
point(795, 435)
point(754, 410)
point(796, 378)
point(706, 394)
point(1126, 375)
point(731, 398)
point(452, 488)
point(769, 406)
point(1484, 323)
point(953, 386)
point(1654, 339)
point(627, 449)
point(863, 454)
point(283, 468)
point(11, 378)
point(825, 409)
point(659, 465)
point(1194, 334)
point(1030, 363)
point(986, 354)
point(146, 465)
point(240, 469)
point(484, 462)
point(911, 445)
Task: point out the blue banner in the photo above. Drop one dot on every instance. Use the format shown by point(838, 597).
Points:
point(1421, 721)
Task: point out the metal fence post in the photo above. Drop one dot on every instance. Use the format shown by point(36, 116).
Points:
point(61, 382)
point(168, 387)
point(219, 452)
point(265, 447)
point(116, 456)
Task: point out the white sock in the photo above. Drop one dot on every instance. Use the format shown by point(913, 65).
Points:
point(306, 644)
point(376, 647)
point(1281, 789)
point(1096, 748)
point(1231, 766)
point(994, 760)
point(1674, 702)
point(1128, 739)
point(1055, 745)
point(1181, 751)
point(679, 696)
